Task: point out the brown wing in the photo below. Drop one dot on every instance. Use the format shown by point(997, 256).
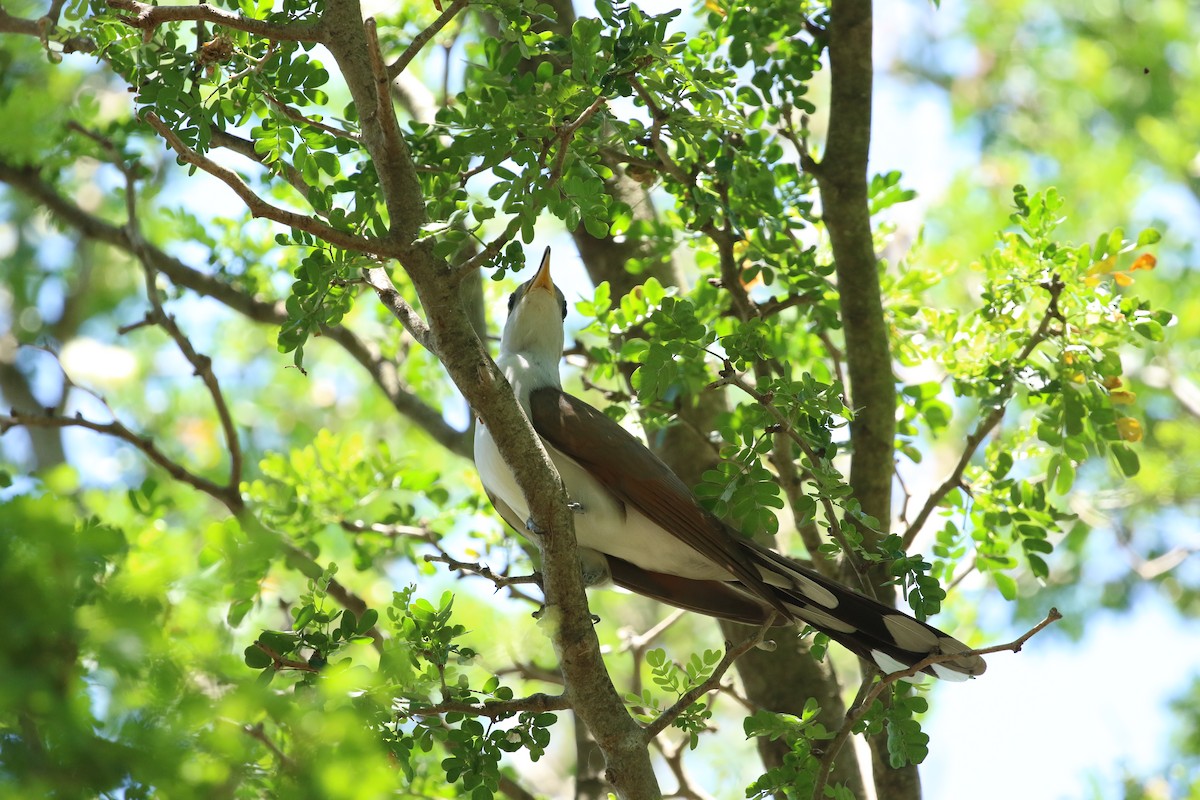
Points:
point(640, 479)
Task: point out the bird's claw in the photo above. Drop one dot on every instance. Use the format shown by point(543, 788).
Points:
point(575, 507)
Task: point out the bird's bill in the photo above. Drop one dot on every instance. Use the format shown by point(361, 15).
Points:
point(542, 279)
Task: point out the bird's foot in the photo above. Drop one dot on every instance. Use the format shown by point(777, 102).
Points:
point(533, 527)
point(575, 507)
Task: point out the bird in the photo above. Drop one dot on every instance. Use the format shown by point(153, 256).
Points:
point(640, 527)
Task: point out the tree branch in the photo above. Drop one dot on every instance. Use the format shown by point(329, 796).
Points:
point(730, 377)
point(382, 371)
point(261, 208)
point(985, 426)
point(377, 278)
point(868, 699)
point(685, 701)
point(495, 709)
point(118, 430)
point(148, 17)
point(421, 39)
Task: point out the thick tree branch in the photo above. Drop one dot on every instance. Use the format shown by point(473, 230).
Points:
point(842, 181)
point(44, 28)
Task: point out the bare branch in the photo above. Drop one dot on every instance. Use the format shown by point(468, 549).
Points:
point(117, 430)
point(201, 364)
point(863, 705)
point(377, 278)
point(148, 17)
point(484, 571)
point(422, 38)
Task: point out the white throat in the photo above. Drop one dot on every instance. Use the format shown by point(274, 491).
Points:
point(532, 344)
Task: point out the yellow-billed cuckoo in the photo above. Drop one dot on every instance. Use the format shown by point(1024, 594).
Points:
point(640, 526)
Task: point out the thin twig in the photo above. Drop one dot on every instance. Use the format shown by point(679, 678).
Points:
point(484, 571)
point(999, 405)
point(258, 733)
point(421, 39)
point(297, 117)
point(562, 136)
point(730, 377)
point(278, 662)
point(867, 699)
point(261, 208)
point(732, 654)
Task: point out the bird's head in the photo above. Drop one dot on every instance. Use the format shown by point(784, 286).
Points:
point(536, 311)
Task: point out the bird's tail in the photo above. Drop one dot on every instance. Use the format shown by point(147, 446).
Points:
point(890, 638)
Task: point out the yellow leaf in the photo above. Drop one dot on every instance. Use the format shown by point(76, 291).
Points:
point(1103, 266)
point(1122, 278)
point(1112, 382)
point(1129, 429)
point(1122, 398)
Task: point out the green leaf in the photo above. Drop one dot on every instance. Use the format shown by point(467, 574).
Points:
point(1126, 458)
point(1006, 585)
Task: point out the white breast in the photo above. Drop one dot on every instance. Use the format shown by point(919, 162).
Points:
point(604, 524)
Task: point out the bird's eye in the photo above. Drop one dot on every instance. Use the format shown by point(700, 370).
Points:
point(562, 301)
point(512, 300)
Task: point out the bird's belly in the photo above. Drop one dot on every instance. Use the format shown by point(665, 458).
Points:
point(603, 523)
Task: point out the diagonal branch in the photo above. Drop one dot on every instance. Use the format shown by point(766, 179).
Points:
point(562, 136)
point(382, 371)
point(261, 208)
point(985, 426)
point(421, 39)
point(377, 278)
point(201, 364)
point(685, 701)
point(863, 705)
point(230, 497)
point(118, 430)
point(730, 377)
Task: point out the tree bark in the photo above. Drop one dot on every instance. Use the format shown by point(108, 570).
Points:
point(842, 179)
